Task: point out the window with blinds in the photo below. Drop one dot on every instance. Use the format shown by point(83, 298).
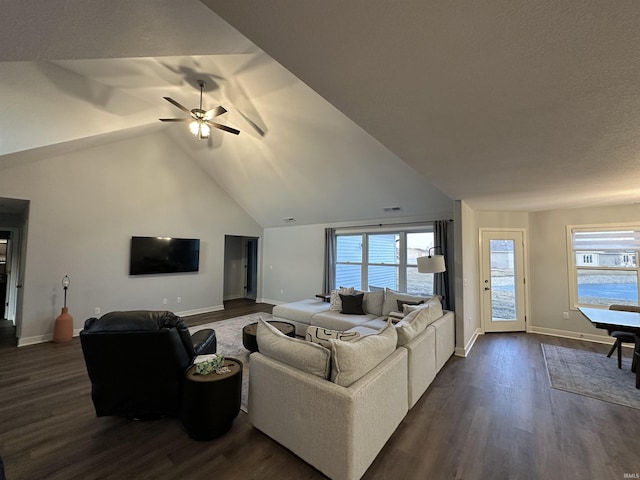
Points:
point(603, 265)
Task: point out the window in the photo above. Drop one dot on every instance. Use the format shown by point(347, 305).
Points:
point(367, 260)
point(603, 265)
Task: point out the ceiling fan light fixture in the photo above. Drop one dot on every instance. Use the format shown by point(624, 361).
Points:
point(194, 127)
point(200, 129)
point(200, 121)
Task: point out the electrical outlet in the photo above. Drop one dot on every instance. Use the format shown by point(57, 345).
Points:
point(164, 301)
point(96, 311)
point(565, 315)
point(179, 300)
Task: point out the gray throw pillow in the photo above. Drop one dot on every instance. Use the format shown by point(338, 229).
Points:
point(306, 356)
point(352, 360)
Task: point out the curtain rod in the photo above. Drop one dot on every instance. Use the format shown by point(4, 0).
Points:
point(380, 225)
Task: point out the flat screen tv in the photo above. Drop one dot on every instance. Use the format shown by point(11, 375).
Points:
point(153, 255)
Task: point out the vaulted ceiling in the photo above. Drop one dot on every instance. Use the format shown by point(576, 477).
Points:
point(345, 107)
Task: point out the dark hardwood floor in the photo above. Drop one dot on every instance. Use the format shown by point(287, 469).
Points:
point(7, 333)
point(489, 416)
point(232, 308)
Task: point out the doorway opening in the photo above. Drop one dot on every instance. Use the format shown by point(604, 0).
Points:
point(13, 226)
point(240, 268)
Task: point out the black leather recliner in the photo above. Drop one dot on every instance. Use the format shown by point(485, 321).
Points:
point(136, 361)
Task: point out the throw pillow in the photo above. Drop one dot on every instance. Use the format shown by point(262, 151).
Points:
point(417, 320)
point(306, 356)
point(321, 336)
point(336, 303)
point(352, 360)
point(413, 324)
point(435, 311)
point(352, 304)
point(391, 298)
point(402, 303)
point(372, 302)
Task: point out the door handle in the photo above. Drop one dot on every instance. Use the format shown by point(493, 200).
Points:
point(487, 288)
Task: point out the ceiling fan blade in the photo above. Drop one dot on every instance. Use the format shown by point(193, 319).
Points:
point(223, 127)
point(174, 119)
point(173, 102)
point(214, 112)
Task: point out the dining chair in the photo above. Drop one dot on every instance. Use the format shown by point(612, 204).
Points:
point(622, 337)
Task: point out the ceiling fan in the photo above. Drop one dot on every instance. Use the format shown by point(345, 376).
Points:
point(201, 120)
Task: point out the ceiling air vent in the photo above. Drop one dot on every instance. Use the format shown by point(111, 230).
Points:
point(288, 220)
point(392, 209)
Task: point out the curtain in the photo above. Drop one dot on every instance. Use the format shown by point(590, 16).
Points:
point(443, 283)
point(329, 259)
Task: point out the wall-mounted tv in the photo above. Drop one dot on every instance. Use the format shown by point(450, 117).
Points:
point(153, 255)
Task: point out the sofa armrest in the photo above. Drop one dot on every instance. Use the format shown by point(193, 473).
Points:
point(338, 430)
point(204, 341)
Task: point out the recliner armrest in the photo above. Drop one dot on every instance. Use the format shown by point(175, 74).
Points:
point(204, 341)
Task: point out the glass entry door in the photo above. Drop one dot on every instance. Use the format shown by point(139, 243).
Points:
point(503, 281)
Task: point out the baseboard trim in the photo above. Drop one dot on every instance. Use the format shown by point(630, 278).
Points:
point(198, 311)
point(24, 341)
point(464, 351)
point(273, 302)
point(573, 335)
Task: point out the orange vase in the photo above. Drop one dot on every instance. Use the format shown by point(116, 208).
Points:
point(63, 329)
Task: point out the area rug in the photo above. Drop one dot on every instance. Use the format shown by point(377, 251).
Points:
point(591, 374)
point(229, 338)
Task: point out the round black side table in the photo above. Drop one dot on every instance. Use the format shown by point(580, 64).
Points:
point(211, 402)
point(249, 333)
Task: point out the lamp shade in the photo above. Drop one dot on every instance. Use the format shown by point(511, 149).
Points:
point(431, 264)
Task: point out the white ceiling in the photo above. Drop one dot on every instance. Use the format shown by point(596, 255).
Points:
point(509, 105)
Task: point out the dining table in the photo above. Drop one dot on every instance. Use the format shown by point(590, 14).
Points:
point(617, 320)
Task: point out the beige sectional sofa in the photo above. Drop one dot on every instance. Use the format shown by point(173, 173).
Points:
point(376, 305)
point(336, 407)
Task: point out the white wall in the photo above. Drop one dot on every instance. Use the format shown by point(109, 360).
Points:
point(549, 266)
point(84, 208)
point(466, 271)
point(293, 257)
point(292, 266)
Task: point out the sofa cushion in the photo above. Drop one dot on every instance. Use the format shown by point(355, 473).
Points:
point(336, 301)
point(373, 301)
point(300, 311)
point(306, 356)
point(435, 308)
point(352, 360)
point(352, 304)
point(391, 300)
point(339, 321)
point(376, 324)
point(417, 320)
point(403, 303)
point(321, 335)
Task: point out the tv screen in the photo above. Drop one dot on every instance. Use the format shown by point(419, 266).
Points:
point(151, 255)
